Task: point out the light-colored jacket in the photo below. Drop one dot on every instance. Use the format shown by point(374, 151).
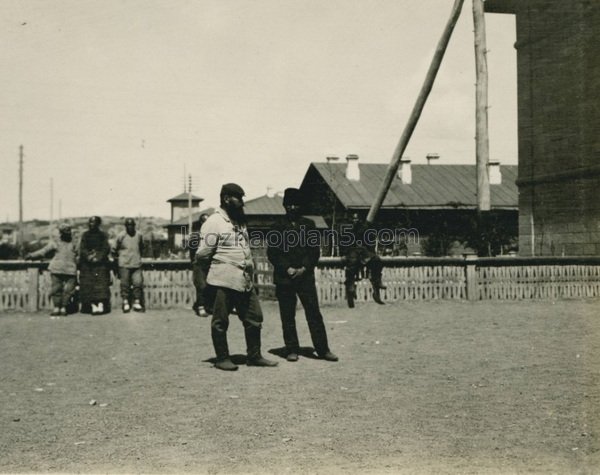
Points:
point(226, 246)
point(129, 250)
point(65, 258)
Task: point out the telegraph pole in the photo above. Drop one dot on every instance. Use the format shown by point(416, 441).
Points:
point(21, 199)
point(51, 205)
point(482, 151)
point(417, 109)
point(189, 204)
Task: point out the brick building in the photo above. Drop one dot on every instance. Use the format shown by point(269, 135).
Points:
point(559, 124)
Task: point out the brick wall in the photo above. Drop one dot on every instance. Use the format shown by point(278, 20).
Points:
point(559, 124)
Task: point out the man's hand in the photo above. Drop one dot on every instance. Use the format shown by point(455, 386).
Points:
point(294, 273)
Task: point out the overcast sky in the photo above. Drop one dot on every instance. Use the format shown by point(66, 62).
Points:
point(113, 98)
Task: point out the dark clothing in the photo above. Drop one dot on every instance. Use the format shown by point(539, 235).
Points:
point(94, 276)
point(193, 244)
point(63, 270)
point(199, 271)
point(294, 252)
point(199, 280)
point(359, 252)
point(63, 287)
point(355, 266)
point(250, 314)
point(132, 282)
point(287, 296)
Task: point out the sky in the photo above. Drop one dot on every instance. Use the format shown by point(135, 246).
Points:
point(114, 101)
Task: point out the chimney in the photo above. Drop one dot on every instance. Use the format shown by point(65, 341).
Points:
point(352, 170)
point(432, 156)
point(270, 191)
point(494, 173)
point(405, 172)
point(332, 159)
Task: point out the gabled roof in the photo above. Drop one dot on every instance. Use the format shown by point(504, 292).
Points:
point(433, 186)
point(271, 205)
point(195, 217)
point(185, 197)
point(261, 210)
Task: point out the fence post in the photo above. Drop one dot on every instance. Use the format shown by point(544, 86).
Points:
point(33, 288)
point(471, 277)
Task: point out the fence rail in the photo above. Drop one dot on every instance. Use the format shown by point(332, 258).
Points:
point(26, 285)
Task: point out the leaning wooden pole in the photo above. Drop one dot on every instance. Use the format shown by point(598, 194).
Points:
point(417, 109)
point(482, 148)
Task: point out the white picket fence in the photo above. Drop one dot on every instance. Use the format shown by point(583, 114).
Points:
point(26, 285)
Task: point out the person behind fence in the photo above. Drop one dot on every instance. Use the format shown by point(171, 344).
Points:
point(225, 250)
point(128, 250)
point(94, 269)
point(198, 272)
point(62, 267)
point(294, 261)
point(359, 253)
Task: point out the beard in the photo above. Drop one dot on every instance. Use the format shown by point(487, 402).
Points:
point(236, 214)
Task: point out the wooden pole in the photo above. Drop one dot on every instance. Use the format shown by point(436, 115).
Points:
point(51, 207)
point(417, 109)
point(482, 151)
point(190, 205)
point(20, 236)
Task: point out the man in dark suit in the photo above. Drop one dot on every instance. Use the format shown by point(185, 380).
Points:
point(294, 260)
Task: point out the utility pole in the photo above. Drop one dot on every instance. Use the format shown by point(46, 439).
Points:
point(332, 196)
point(51, 206)
point(417, 109)
point(190, 204)
point(482, 151)
point(21, 199)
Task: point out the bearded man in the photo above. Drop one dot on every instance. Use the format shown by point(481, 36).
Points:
point(225, 250)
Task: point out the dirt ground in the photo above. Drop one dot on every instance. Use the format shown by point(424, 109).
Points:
point(431, 387)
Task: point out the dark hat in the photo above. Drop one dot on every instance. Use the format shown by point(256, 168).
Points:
point(232, 189)
point(292, 196)
point(129, 221)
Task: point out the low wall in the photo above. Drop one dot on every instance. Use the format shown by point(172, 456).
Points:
point(26, 285)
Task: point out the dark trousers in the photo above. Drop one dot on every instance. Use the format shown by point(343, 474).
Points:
point(287, 296)
point(199, 279)
point(132, 282)
point(249, 312)
point(62, 288)
point(354, 265)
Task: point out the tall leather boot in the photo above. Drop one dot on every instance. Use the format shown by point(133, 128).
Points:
point(376, 294)
point(223, 362)
point(255, 357)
